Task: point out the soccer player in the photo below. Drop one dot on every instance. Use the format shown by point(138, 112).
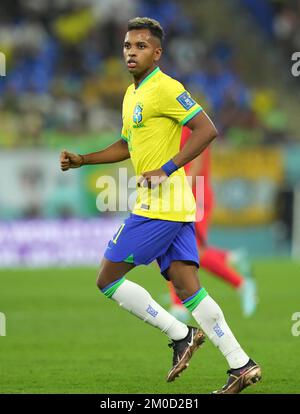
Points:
point(161, 226)
point(215, 260)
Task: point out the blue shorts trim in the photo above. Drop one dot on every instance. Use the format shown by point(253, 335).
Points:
point(145, 240)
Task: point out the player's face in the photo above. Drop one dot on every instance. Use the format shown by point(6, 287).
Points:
point(141, 51)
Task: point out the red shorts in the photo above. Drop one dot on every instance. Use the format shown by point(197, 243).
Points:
point(203, 216)
point(203, 212)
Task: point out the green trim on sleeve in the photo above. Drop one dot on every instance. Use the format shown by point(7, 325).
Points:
point(124, 138)
point(190, 116)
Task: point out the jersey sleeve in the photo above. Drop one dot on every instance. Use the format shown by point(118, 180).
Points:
point(176, 103)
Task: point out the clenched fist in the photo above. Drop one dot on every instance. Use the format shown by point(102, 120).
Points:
point(70, 160)
point(152, 179)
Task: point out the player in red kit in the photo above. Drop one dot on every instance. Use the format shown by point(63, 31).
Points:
point(215, 260)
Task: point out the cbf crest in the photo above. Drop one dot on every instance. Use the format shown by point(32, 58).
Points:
point(138, 115)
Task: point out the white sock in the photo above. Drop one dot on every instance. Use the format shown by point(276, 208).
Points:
point(138, 301)
point(211, 319)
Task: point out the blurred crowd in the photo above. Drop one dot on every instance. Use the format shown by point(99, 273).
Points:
point(65, 71)
point(286, 24)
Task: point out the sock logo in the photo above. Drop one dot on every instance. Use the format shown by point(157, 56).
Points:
point(151, 311)
point(218, 330)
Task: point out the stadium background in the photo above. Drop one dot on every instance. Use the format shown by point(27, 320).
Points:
point(63, 88)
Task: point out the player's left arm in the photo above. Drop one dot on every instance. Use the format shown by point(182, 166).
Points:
point(203, 133)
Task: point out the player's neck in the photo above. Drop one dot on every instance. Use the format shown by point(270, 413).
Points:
point(138, 80)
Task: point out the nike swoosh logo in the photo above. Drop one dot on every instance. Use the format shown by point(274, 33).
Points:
point(192, 340)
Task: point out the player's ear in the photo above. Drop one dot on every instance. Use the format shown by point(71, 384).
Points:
point(157, 54)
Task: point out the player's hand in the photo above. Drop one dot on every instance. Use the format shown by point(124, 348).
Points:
point(152, 179)
point(70, 160)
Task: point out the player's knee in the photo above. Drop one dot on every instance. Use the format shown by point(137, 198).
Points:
point(99, 283)
point(109, 273)
point(181, 293)
point(102, 281)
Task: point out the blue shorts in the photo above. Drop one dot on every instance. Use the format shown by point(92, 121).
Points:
point(142, 240)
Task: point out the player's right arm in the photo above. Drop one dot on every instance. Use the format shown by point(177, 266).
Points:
point(114, 153)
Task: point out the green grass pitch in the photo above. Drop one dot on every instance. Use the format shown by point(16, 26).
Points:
point(63, 336)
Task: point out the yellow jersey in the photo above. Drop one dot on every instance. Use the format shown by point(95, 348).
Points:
point(153, 116)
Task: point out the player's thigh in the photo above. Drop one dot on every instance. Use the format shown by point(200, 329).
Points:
point(111, 271)
point(184, 276)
